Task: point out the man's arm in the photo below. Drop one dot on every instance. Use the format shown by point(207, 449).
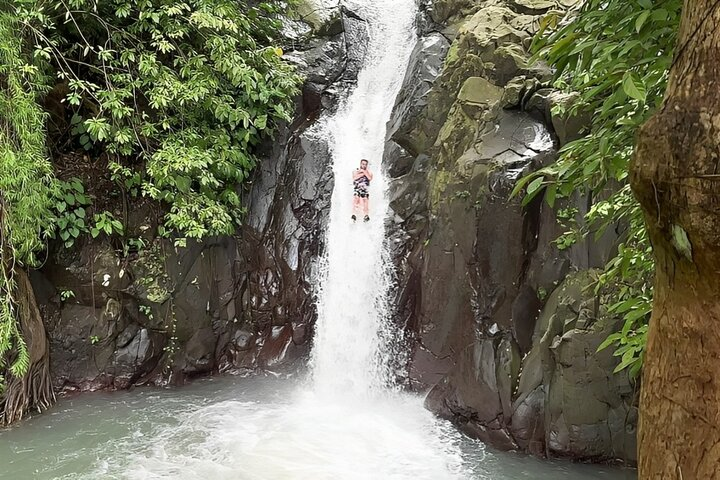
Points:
point(369, 174)
point(357, 174)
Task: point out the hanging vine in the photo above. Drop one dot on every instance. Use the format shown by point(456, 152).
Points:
point(26, 182)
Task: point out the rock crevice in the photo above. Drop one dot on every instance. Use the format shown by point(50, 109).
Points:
point(500, 332)
point(244, 302)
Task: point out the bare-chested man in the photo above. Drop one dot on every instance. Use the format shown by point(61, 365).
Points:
point(361, 187)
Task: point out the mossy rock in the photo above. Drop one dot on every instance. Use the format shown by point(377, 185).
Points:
point(479, 91)
point(323, 18)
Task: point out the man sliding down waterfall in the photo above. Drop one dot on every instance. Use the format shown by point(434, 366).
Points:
point(361, 186)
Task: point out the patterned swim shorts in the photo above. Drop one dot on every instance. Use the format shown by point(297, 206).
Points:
point(361, 190)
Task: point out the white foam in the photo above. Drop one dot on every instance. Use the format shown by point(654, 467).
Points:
point(349, 352)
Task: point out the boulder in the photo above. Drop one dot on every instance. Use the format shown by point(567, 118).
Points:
point(478, 272)
point(583, 398)
point(425, 65)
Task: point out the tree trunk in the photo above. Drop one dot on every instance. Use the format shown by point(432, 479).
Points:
point(676, 176)
point(20, 395)
point(34, 390)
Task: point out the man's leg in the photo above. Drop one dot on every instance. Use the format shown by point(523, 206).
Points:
point(356, 207)
point(366, 207)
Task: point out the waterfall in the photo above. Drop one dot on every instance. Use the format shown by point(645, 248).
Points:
point(345, 423)
point(349, 353)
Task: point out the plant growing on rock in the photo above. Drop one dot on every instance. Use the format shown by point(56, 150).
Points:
point(70, 209)
point(615, 55)
point(173, 97)
point(176, 94)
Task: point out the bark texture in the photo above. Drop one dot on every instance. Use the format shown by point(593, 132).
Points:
point(676, 177)
point(32, 391)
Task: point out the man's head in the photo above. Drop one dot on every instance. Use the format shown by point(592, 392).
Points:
point(363, 164)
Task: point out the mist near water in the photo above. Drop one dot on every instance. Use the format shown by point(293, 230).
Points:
point(257, 428)
point(343, 420)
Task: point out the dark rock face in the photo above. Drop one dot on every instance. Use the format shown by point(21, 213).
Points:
point(474, 266)
point(171, 312)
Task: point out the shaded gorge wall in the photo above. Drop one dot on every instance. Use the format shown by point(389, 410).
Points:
point(503, 327)
point(500, 326)
point(167, 313)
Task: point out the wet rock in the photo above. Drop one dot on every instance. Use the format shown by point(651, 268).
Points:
point(323, 17)
point(199, 352)
point(330, 59)
point(137, 352)
point(71, 344)
point(555, 108)
point(512, 93)
point(171, 312)
point(90, 274)
point(424, 67)
point(479, 91)
point(127, 335)
point(243, 340)
point(602, 426)
point(491, 434)
point(508, 371)
point(528, 421)
point(319, 63)
point(477, 271)
point(565, 360)
point(470, 393)
point(399, 161)
point(355, 32)
point(469, 396)
point(565, 402)
point(445, 11)
point(533, 7)
point(276, 346)
point(525, 310)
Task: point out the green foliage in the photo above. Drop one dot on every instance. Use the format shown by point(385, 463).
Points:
point(26, 182)
point(178, 94)
point(70, 209)
point(615, 55)
point(135, 245)
point(174, 96)
point(66, 295)
point(106, 223)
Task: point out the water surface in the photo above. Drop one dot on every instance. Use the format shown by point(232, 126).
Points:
point(347, 420)
point(258, 428)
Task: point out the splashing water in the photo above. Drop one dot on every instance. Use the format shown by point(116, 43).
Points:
point(349, 355)
point(348, 423)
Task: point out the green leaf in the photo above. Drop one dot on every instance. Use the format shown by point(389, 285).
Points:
point(634, 87)
point(77, 185)
point(610, 340)
point(627, 305)
point(535, 185)
point(550, 195)
point(642, 18)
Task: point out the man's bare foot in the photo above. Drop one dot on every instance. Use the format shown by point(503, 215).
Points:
point(353, 218)
point(367, 218)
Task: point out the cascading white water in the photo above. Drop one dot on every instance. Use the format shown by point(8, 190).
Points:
point(348, 354)
point(344, 425)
